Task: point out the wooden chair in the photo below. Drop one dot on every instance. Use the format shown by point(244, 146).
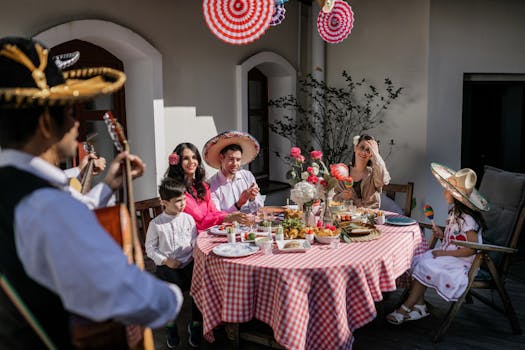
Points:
point(408, 189)
point(146, 210)
point(505, 192)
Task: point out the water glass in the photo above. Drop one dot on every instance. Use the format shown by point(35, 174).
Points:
point(334, 243)
point(231, 237)
point(266, 247)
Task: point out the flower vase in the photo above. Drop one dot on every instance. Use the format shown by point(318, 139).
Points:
point(308, 215)
point(328, 215)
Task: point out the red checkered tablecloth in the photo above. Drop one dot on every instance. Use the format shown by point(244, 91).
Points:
point(312, 300)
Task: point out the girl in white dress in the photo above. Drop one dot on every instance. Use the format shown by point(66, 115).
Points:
point(446, 268)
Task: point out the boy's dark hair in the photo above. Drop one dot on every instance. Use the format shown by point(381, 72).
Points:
point(170, 188)
point(232, 147)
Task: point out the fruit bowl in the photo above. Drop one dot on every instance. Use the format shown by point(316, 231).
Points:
point(325, 239)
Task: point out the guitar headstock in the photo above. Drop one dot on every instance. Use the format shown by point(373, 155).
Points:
point(115, 131)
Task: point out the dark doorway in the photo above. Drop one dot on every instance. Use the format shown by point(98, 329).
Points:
point(89, 114)
point(493, 129)
point(258, 123)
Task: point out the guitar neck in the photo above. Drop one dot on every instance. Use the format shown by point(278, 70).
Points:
point(137, 247)
point(87, 178)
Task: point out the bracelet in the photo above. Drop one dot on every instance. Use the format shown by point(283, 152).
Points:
point(237, 206)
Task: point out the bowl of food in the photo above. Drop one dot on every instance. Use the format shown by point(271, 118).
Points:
point(327, 235)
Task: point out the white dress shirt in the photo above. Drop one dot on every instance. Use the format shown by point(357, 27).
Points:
point(171, 236)
point(98, 197)
point(225, 193)
point(63, 247)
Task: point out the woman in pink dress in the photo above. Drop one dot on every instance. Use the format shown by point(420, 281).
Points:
point(186, 167)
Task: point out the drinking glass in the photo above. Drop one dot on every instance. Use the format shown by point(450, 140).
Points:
point(267, 247)
point(334, 243)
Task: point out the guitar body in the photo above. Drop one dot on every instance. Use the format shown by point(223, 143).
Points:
point(122, 227)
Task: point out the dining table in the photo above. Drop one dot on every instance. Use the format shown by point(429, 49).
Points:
point(314, 299)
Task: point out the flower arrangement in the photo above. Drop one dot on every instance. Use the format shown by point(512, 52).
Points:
point(315, 181)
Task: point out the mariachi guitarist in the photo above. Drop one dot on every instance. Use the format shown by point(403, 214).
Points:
point(54, 253)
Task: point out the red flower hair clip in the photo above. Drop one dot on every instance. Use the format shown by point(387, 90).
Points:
point(173, 159)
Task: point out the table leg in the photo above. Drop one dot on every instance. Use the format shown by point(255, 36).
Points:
point(232, 332)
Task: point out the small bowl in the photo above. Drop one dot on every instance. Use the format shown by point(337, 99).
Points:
point(326, 239)
point(260, 240)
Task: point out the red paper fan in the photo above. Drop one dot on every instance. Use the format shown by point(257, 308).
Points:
point(238, 21)
point(335, 25)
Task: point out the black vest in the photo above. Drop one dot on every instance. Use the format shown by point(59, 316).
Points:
point(46, 306)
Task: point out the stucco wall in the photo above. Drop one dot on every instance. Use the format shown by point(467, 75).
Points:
point(466, 36)
point(390, 39)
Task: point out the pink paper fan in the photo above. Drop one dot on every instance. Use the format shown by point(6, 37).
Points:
point(238, 21)
point(337, 24)
point(278, 15)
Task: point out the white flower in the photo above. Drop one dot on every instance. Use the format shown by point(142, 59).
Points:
point(356, 139)
point(304, 175)
point(303, 192)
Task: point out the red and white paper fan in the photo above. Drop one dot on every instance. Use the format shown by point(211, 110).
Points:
point(335, 25)
point(238, 21)
point(278, 14)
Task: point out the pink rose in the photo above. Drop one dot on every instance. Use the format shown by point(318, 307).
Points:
point(301, 158)
point(295, 152)
point(316, 155)
point(312, 179)
point(310, 170)
point(173, 159)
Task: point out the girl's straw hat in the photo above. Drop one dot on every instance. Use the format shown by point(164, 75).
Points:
point(461, 185)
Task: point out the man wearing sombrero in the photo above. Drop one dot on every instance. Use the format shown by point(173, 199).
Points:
point(54, 253)
point(446, 268)
point(233, 188)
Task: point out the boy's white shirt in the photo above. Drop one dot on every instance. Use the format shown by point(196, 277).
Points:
point(171, 236)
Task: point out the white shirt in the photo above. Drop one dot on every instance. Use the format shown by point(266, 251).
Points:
point(225, 193)
point(62, 246)
point(98, 197)
point(171, 236)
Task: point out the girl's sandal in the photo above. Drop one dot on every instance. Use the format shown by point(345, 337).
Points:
point(418, 312)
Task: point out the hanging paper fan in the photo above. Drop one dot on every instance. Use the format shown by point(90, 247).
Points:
point(278, 15)
point(280, 2)
point(335, 25)
point(238, 21)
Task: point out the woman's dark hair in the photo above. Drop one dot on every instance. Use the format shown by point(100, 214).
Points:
point(170, 188)
point(17, 126)
point(195, 187)
point(459, 208)
point(363, 137)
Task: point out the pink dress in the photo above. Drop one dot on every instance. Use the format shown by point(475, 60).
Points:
point(204, 211)
point(448, 275)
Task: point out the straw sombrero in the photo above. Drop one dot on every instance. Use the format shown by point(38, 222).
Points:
point(461, 185)
point(30, 77)
point(212, 149)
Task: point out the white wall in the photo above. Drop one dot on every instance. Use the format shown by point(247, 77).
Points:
point(390, 39)
point(466, 36)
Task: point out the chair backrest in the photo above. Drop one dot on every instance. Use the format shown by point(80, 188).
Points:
point(505, 192)
point(408, 189)
point(146, 210)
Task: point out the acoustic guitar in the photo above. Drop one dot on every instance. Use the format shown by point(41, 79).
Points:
point(123, 228)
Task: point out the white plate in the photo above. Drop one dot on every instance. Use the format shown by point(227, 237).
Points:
point(257, 235)
point(217, 231)
point(303, 242)
point(235, 250)
point(400, 221)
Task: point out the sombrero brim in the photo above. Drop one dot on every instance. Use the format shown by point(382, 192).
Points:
point(80, 84)
point(212, 148)
point(475, 201)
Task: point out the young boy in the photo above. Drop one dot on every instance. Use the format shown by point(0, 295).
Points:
point(169, 243)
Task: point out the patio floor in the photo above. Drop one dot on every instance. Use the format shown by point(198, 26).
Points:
point(476, 326)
